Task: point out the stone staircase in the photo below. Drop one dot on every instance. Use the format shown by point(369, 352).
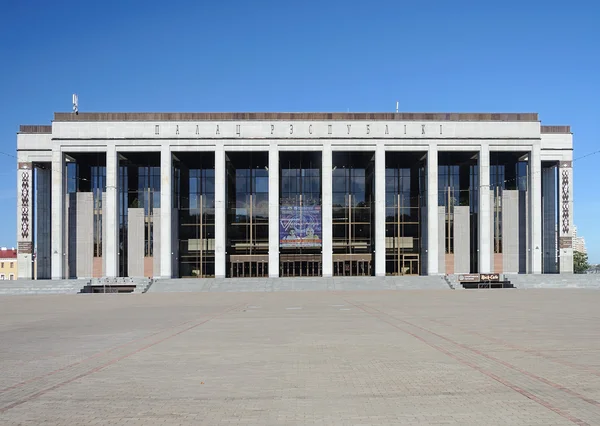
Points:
point(118, 285)
point(529, 281)
point(297, 284)
point(21, 287)
point(452, 282)
point(455, 284)
point(143, 285)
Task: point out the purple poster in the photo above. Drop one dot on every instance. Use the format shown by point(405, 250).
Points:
point(300, 226)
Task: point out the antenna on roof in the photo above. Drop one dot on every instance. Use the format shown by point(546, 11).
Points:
point(397, 105)
point(75, 103)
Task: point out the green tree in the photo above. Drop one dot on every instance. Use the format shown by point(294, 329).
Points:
point(580, 262)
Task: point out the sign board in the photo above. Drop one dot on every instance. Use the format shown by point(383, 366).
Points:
point(490, 277)
point(468, 278)
point(475, 278)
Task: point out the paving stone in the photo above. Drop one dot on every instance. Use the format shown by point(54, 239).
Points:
point(484, 357)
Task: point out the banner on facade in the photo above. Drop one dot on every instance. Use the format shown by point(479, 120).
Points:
point(300, 226)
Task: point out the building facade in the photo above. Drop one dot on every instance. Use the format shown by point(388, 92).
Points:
point(293, 194)
point(8, 263)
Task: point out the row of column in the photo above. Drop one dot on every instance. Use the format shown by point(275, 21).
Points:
point(166, 212)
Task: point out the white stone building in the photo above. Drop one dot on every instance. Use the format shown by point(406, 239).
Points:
point(578, 242)
point(293, 194)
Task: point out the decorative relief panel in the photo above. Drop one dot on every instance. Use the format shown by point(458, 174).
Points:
point(565, 216)
point(25, 204)
point(565, 242)
point(25, 178)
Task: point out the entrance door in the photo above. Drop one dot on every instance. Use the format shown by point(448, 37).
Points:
point(299, 266)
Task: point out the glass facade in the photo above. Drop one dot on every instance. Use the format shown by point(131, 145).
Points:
point(194, 201)
point(300, 233)
point(138, 188)
point(458, 185)
point(405, 197)
point(247, 214)
point(353, 213)
point(300, 218)
point(86, 172)
point(508, 171)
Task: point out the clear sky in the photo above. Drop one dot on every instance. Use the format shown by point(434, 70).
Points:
point(224, 55)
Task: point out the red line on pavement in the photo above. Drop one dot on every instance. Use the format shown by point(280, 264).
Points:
point(489, 374)
point(114, 361)
point(506, 364)
point(519, 348)
point(104, 352)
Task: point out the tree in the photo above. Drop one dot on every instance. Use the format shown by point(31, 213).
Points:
point(580, 262)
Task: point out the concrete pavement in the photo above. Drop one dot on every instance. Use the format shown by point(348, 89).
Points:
point(484, 357)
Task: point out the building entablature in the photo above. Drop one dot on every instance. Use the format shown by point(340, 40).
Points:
point(152, 129)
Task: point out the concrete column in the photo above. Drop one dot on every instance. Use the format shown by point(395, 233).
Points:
point(135, 242)
point(510, 231)
point(220, 211)
point(111, 221)
point(535, 212)
point(462, 240)
point(58, 204)
point(327, 214)
point(565, 217)
point(485, 212)
point(156, 243)
point(25, 229)
point(68, 229)
point(103, 234)
point(380, 210)
point(496, 262)
point(441, 240)
point(84, 223)
point(273, 210)
point(174, 242)
point(424, 240)
point(432, 210)
point(165, 211)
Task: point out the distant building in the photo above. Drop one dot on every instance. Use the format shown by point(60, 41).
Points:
point(578, 242)
point(8, 263)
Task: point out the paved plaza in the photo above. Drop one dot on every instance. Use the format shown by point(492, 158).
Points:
point(481, 357)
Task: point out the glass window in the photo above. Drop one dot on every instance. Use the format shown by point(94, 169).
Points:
point(241, 185)
point(209, 184)
point(315, 187)
point(339, 199)
point(390, 199)
point(339, 183)
point(390, 183)
point(358, 185)
point(262, 184)
point(208, 201)
point(358, 198)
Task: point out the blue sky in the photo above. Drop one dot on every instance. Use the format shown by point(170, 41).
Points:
point(447, 56)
